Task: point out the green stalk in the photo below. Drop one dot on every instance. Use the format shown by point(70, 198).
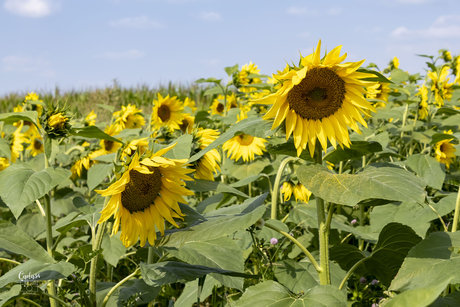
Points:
point(49, 241)
point(10, 261)
point(457, 212)
point(106, 299)
point(350, 272)
point(274, 212)
point(402, 132)
point(97, 241)
point(150, 261)
point(361, 223)
point(323, 231)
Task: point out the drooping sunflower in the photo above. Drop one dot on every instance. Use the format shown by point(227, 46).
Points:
point(218, 106)
point(445, 152)
point(287, 188)
point(16, 142)
point(440, 86)
point(244, 146)
point(90, 119)
point(207, 165)
point(35, 144)
point(301, 193)
point(145, 195)
point(243, 79)
point(319, 100)
point(167, 112)
point(129, 117)
point(423, 106)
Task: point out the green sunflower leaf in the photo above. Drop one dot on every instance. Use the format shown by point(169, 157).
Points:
point(10, 118)
point(438, 137)
point(357, 150)
point(21, 185)
point(379, 77)
point(93, 132)
point(7, 295)
point(427, 168)
point(5, 149)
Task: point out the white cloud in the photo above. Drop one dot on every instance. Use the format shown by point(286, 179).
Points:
point(123, 55)
point(26, 64)
point(30, 8)
point(209, 16)
point(141, 22)
point(445, 26)
point(300, 11)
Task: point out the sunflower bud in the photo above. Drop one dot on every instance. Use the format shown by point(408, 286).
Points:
point(55, 122)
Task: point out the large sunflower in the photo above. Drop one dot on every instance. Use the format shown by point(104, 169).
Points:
point(445, 151)
point(244, 146)
point(440, 86)
point(319, 100)
point(145, 195)
point(167, 112)
point(423, 106)
point(129, 117)
point(208, 165)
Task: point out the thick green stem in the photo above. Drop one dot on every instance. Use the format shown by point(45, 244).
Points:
point(274, 212)
point(323, 231)
point(49, 247)
point(302, 248)
point(10, 261)
point(93, 270)
point(106, 299)
point(457, 212)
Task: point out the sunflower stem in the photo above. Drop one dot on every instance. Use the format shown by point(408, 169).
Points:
point(93, 270)
point(457, 212)
point(106, 299)
point(361, 223)
point(323, 231)
point(274, 211)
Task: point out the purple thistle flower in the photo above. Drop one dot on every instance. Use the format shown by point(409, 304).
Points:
point(353, 221)
point(363, 280)
point(374, 282)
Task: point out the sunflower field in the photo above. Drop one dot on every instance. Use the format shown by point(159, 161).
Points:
point(327, 183)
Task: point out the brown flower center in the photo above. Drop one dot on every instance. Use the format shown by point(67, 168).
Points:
point(164, 113)
point(141, 190)
point(37, 144)
point(108, 145)
point(320, 94)
point(245, 139)
point(220, 107)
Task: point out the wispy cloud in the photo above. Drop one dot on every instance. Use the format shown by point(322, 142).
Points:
point(209, 16)
point(294, 10)
point(446, 26)
point(122, 55)
point(27, 64)
point(141, 22)
point(30, 8)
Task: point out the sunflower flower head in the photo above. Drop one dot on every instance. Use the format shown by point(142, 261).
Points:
point(167, 112)
point(109, 146)
point(4, 163)
point(35, 144)
point(208, 165)
point(187, 123)
point(147, 194)
point(244, 78)
point(141, 145)
point(445, 152)
point(55, 122)
point(90, 119)
point(190, 103)
point(380, 91)
point(319, 100)
point(287, 188)
point(129, 117)
point(423, 106)
point(244, 146)
point(394, 63)
point(301, 193)
point(218, 104)
point(446, 55)
point(440, 86)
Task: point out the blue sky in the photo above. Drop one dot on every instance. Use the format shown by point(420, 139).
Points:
point(81, 44)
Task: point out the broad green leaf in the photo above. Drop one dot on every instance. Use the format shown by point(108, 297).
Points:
point(112, 249)
point(40, 271)
point(356, 151)
point(428, 168)
point(246, 181)
point(11, 293)
point(384, 183)
point(182, 148)
point(378, 76)
point(270, 293)
point(189, 295)
point(97, 173)
point(106, 107)
point(288, 148)
point(438, 137)
point(51, 148)
point(254, 126)
point(5, 149)
point(451, 300)
point(16, 241)
point(244, 170)
point(451, 121)
point(395, 241)
point(398, 75)
point(202, 185)
point(32, 223)
point(218, 223)
point(109, 158)
point(163, 273)
point(295, 276)
point(231, 69)
point(191, 216)
point(10, 118)
point(93, 132)
point(447, 110)
point(429, 262)
point(419, 297)
point(21, 185)
point(347, 255)
point(220, 253)
point(138, 288)
point(213, 80)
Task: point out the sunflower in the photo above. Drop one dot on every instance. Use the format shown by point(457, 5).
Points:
point(129, 117)
point(4, 163)
point(36, 144)
point(84, 162)
point(442, 90)
point(187, 123)
point(380, 91)
point(17, 140)
point(319, 100)
point(244, 146)
point(209, 163)
point(395, 63)
point(301, 193)
point(243, 79)
point(145, 195)
point(190, 103)
point(287, 188)
point(109, 146)
point(218, 107)
point(141, 145)
point(457, 69)
point(444, 152)
point(90, 119)
point(167, 112)
point(423, 106)
point(31, 96)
